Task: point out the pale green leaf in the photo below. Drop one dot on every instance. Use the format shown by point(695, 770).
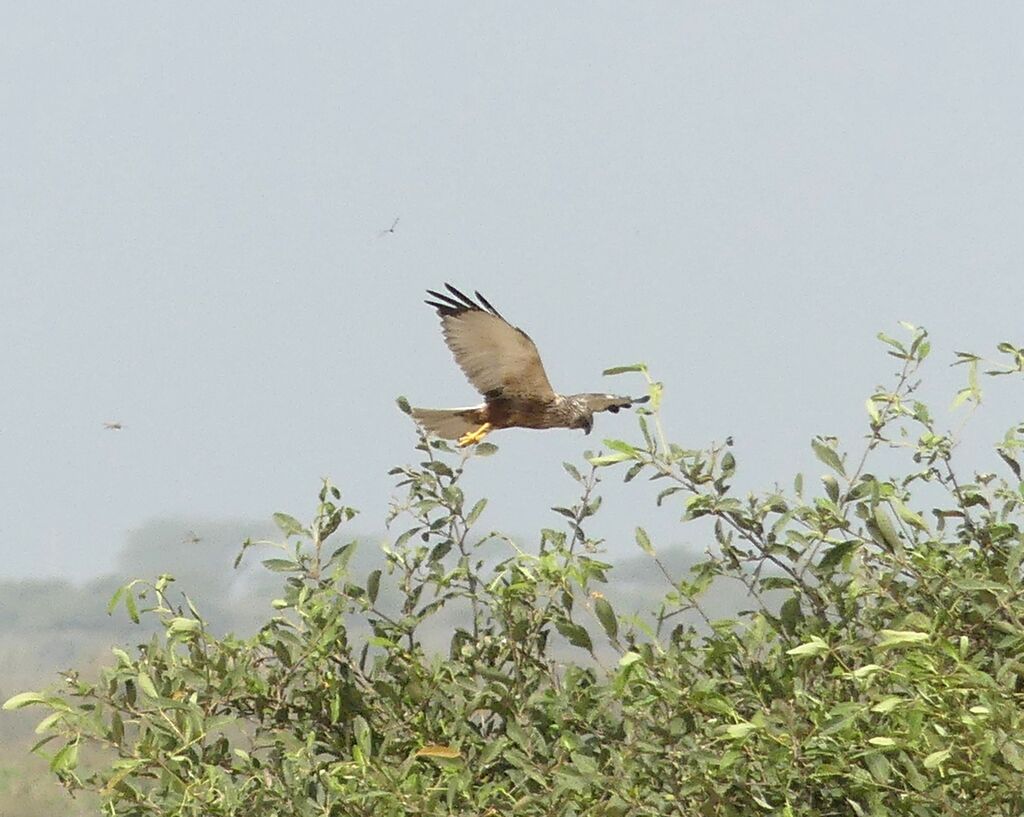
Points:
point(896, 638)
point(737, 731)
point(23, 699)
point(289, 525)
point(634, 367)
point(606, 615)
point(816, 646)
point(867, 669)
point(644, 541)
point(828, 455)
point(145, 683)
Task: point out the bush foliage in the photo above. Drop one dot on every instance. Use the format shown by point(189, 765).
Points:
point(877, 672)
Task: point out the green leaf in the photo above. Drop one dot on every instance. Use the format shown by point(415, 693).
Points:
point(879, 767)
point(363, 735)
point(828, 455)
point(289, 525)
point(886, 528)
point(23, 699)
point(183, 625)
point(908, 516)
point(373, 586)
point(634, 469)
point(936, 758)
point(485, 449)
point(876, 418)
point(897, 638)
point(663, 495)
point(609, 459)
point(66, 759)
point(728, 464)
point(47, 723)
point(114, 599)
point(1010, 461)
point(816, 646)
point(655, 391)
point(440, 550)
point(130, 606)
point(881, 741)
point(1012, 754)
point(145, 683)
point(124, 768)
point(791, 614)
point(575, 635)
point(644, 541)
point(635, 367)
point(629, 659)
point(837, 553)
point(438, 467)
point(403, 405)
point(867, 669)
point(621, 447)
point(737, 731)
point(281, 565)
point(474, 514)
point(606, 615)
point(435, 750)
point(892, 342)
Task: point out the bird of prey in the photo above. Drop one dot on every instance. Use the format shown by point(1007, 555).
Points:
point(502, 363)
point(112, 425)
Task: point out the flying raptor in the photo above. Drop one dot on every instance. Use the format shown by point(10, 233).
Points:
point(503, 364)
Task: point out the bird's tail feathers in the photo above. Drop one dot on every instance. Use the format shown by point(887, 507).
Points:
point(448, 423)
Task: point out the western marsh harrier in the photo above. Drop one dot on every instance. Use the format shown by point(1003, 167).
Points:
point(502, 363)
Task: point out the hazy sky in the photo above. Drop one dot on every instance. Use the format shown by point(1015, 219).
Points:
point(740, 194)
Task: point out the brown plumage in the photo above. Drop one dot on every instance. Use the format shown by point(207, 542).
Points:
point(503, 364)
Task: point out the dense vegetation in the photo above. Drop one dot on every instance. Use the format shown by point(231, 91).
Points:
point(878, 670)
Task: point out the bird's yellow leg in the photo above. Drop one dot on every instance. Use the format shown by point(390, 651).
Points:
point(474, 437)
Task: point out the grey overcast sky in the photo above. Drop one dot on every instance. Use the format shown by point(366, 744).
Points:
point(740, 194)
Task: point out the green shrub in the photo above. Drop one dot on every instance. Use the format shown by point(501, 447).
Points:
point(878, 672)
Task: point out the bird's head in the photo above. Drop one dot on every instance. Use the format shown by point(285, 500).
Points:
point(585, 421)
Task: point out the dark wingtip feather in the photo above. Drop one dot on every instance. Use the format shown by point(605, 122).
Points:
point(444, 304)
point(458, 301)
point(487, 304)
point(465, 299)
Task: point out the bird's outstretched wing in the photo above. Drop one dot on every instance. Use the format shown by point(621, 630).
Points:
point(498, 358)
point(611, 402)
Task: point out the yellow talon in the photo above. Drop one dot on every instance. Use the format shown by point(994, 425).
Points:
point(473, 437)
